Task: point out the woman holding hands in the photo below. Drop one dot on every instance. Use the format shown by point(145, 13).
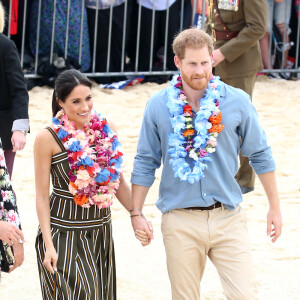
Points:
point(81, 151)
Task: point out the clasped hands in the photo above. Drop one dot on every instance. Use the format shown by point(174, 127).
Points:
point(13, 236)
point(143, 229)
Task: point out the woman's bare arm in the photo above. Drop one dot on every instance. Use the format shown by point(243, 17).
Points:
point(43, 151)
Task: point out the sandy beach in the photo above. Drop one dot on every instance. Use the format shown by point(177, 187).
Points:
point(142, 272)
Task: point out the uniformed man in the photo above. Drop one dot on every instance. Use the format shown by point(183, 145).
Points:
point(237, 26)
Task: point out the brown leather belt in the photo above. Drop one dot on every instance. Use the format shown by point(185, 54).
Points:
point(216, 205)
point(224, 35)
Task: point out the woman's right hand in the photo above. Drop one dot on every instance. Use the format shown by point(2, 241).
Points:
point(50, 260)
point(10, 234)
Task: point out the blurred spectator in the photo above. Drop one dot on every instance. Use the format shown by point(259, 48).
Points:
point(281, 10)
point(187, 13)
point(237, 27)
point(14, 124)
point(10, 226)
point(198, 17)
point(294, 36)
point(14, 121)
point(17, 21)
point(144, 38)
point(64, 31)
point(13, 17)
point(103, 8)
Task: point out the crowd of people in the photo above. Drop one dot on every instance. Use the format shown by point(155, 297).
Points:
point(196, 127)
point(85, 38)
point(91, 41)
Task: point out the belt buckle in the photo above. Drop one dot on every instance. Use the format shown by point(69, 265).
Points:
point(214, 34)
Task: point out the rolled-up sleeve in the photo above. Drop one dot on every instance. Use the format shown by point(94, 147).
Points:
point(148, 157)
point(254, 141)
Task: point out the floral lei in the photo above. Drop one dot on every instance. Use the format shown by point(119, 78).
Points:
point(94, 177)
point(182, 141)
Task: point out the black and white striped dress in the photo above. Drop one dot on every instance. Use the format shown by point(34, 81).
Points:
point(83, 240)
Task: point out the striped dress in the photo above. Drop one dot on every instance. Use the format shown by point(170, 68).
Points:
point(83, 240)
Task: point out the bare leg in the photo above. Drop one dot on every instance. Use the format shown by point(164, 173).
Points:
point(282, 29)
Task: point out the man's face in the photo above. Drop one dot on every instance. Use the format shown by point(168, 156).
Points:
point(195, 67)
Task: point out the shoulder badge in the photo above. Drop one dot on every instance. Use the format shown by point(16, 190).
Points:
point(228, 5)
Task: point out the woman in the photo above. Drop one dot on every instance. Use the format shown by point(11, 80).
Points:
point(80, 150)
point(10, 228)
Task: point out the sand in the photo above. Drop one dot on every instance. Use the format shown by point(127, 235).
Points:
point(141, 272)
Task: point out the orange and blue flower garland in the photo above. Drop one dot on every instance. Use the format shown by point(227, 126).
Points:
point(94, 171)
point(186, 140)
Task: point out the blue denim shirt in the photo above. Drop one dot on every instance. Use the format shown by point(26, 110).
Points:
point(218, 184)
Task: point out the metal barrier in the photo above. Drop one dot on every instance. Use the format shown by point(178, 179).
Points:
point(275, 47)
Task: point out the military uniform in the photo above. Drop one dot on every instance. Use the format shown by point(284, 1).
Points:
point(236, 27)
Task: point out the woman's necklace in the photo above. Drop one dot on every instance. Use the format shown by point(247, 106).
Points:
point(94, 171)
point(186, 140)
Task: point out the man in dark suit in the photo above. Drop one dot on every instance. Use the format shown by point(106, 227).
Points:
point(14, 120)
point(236, 27)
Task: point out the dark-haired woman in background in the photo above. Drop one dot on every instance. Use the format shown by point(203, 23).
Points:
point(80, 150)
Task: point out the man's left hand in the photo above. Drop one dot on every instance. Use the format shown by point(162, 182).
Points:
point(274, 224)
point(18, 140)
point(217, 57)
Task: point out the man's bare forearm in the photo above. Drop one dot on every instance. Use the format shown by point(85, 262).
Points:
point(139, 193)
point(268, 182)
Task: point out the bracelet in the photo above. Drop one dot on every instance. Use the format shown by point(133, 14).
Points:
point(131, 216)
point(134, 209)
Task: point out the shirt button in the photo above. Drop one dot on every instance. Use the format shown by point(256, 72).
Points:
point(204, 194)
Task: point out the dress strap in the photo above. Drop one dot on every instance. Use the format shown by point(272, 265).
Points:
point(56, 138)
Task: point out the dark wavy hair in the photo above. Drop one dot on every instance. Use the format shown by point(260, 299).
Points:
point(65, 82)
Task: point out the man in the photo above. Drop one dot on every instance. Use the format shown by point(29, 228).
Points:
point(14, 121)
point(14, 124)
point(237, 27)
point(199, 196)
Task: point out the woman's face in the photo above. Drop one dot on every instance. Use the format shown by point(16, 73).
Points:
point(78, 105)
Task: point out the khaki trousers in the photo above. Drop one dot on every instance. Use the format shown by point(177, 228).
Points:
point(246, 175)
point(190, 236)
